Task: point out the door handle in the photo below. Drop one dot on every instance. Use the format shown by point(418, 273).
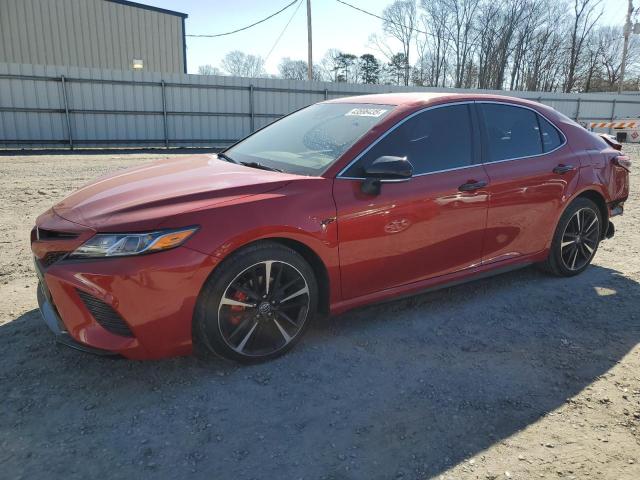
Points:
point(472, 185)
point(563, 169)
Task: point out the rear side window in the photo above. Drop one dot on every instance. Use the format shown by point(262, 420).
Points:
point(512, 132)
point(434, 140)
point(551, 138)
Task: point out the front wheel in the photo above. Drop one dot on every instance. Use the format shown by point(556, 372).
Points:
point(257, 304)
point(576, 239)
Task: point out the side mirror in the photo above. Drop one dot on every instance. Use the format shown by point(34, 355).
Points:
point(386, 169)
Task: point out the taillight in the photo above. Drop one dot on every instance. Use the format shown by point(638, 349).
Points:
point(623, 161)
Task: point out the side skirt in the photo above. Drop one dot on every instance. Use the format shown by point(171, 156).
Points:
point(433, 284)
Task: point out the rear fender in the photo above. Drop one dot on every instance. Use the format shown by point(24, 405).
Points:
point(605, 175)
point(597, 189)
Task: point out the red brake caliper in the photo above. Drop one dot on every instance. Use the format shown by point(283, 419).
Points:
point(237, 310)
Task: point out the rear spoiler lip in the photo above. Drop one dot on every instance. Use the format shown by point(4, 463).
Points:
point(611, 141)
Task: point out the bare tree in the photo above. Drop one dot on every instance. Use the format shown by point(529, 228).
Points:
point(293, 69)
point(243, 65)
point(610, 42)
point(331, 63)
point(489, 42)
point(208, 70)
point(381, 44)
point(399, 22)
point(592, 60)
point(297, 70)
point(463, 34)
point(542, 64)
point(525, 28)
point(586, 14)
point(539, 45)
point(512, 23)
point(433, 47)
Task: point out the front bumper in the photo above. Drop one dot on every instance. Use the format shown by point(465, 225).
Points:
point(154, 295)
point(52, 320)
point(151, 298)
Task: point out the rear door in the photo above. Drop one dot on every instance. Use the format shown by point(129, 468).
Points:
point(531, 169)
point(425, 227)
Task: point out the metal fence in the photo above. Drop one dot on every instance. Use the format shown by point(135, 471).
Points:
point(45, 107)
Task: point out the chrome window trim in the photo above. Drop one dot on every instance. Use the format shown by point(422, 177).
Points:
point(419, 174)
point(433, 107)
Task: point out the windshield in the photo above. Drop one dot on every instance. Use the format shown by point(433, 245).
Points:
point(309, 140)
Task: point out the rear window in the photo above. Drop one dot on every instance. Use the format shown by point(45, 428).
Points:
point(512, 132)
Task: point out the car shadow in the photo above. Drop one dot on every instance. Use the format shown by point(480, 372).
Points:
point(406, 389)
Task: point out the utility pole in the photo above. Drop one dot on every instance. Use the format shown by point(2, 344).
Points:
point(625, 48)
point(310, 49)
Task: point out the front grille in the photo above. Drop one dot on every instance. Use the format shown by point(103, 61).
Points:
point(43, 234)
point(52, 257)
point(106, 316)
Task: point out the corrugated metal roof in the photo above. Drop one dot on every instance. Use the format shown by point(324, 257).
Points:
point(149, 7)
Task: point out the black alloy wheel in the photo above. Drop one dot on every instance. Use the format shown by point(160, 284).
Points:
point(263, 308)
point(580, 239)
point(257, 304)
point(576, 239)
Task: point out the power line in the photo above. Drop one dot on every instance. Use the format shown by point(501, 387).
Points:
point(470, 43)
point(383, 19)
point(247, 27)
point(283, 30)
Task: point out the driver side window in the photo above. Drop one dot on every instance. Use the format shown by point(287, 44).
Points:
point(434, 140)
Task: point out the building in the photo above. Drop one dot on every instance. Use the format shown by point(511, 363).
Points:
point(110, 34)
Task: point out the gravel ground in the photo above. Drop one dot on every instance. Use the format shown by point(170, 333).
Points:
point(519, 376)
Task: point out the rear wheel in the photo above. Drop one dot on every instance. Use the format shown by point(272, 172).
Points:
point(576, 239)
point(257, 304)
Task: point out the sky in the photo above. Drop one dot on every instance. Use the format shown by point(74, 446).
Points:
point(333, 25)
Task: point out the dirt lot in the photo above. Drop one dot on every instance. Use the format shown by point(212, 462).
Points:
point(520, 376)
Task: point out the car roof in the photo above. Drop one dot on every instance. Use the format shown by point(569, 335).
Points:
point(418, 99)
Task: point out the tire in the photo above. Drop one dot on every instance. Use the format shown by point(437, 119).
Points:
point(242, 318)
point(576, 239)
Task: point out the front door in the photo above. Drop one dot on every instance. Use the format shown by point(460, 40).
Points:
point(432, 224)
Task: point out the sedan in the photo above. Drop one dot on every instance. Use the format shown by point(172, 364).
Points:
point(341, 204)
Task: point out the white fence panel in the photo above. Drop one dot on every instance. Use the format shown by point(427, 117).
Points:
point(44, 106)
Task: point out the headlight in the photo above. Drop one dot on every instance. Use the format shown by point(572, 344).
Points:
point(124, 244)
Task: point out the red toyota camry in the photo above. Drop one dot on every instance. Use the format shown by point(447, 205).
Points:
point(340, 204)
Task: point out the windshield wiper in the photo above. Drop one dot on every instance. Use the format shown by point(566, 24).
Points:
point(226, 157)
point(260, 166)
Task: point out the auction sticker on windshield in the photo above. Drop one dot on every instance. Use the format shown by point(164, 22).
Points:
point(366, 112)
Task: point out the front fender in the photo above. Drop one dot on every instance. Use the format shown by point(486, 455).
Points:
point(303, 211)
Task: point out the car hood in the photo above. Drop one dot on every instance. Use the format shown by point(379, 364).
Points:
point(141, 198)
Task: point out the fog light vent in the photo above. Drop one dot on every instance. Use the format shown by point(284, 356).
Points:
point(106, 316)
